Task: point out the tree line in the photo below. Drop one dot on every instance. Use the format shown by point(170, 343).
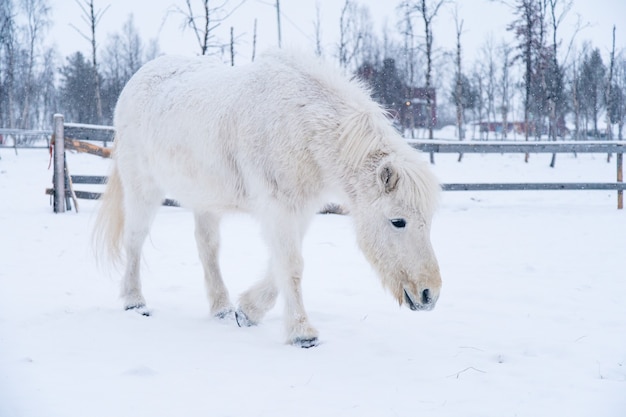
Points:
point(534, 83)
point(34, 84)
point(531, 85)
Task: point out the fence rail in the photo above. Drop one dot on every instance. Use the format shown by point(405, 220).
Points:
point(442, 146)
point(93, 133)
point(73, 136)
point(608, 147)
point(22, 138)
point(535, 186)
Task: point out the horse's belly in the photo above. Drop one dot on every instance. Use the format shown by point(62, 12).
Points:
point(201, 189)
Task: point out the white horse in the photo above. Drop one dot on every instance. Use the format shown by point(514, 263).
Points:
point(275, 139)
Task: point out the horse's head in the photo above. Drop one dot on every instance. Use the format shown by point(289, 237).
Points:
point(393, 230)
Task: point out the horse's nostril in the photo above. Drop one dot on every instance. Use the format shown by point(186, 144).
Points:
point(426, 298)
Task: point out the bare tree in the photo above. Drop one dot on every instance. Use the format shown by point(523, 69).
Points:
point(457, 75)
point(556, 96)
point(407, 60)
point(92, 17)
point(571, 67)
point(609, 84)
point(607, 99)
point(8, 46)
point(542, 58)
point(350, 35)
point(357, 41)
point(409, 47)
point(232, 46)
point(317, 27)
point(487, 56)
point(592, 88)
point(278, 23)
point(132, 47)
point(369, 48)
point(619, 96)
point(204, 24)
point(574, 89)
point(478, 79)
point(254, 41)
point(504, 86)
point(618, 111)
point(47, 90)
point(579, 90)
point(428, 10)
point(526, 30)
point(37, 20)
point(25, 64)
point(123, 54)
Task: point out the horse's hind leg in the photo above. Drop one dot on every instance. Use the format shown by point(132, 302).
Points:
point(140, 210)
point(207, 239)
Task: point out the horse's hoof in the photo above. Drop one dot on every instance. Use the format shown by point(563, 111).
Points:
point(243, 320)
point(140, 309)
point(306, 342)
point(227, 314)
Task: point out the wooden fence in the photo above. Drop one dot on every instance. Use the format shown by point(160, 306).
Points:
point(73, 136)
point(22, 138)
point(602, 147)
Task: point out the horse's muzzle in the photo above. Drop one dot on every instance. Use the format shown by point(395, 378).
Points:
point(426, 301)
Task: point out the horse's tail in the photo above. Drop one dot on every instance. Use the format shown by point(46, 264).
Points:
point(109, 225)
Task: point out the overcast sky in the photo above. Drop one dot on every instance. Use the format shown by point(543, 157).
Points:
point(481, 18)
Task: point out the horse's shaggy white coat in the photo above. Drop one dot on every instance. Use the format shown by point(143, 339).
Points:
point(274, 138)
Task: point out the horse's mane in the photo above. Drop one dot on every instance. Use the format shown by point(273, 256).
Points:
point(367, 138)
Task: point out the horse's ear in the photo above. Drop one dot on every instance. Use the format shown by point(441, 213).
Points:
point(388, 177)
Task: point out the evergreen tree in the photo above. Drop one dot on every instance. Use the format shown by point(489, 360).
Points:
point(592, 87)
point(527, 30)
point(77, 98)
point(388, 87)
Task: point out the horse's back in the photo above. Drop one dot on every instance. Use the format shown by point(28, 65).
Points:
point(193, 123)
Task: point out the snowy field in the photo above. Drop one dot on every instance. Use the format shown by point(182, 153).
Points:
point(531, 321)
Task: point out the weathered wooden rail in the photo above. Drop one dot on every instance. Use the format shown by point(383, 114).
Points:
point(605, 147)
point(73, 136)
point(24, 138)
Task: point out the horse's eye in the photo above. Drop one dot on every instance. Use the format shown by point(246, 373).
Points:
point(398, 223)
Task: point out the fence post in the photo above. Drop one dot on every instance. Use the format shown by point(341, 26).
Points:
point(59, 165)
point(620, 178)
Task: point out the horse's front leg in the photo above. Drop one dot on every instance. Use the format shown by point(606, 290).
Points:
point(284, 235)
point(207, 240)
point(257, 300)
point(299, 331)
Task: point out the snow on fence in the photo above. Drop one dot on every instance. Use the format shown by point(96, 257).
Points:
point(73, 137)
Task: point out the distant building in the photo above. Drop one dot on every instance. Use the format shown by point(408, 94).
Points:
point(414, 113)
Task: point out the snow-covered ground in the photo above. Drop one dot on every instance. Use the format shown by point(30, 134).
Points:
point(531, 321)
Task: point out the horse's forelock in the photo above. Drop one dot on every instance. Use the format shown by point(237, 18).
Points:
point(418, 185)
